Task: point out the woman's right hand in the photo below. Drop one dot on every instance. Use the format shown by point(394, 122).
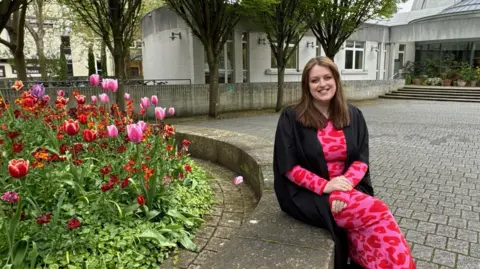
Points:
point(339, 183)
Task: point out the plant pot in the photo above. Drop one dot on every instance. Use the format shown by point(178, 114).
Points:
point(461, 83)
point(473, 83)
point(417, 81)
point(447, 82)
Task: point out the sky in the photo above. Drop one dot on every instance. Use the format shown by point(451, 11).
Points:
point(405, 7)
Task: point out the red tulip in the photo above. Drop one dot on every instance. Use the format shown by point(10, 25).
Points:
point(71, 127)
point(73, 223)
point(18, 168)
point(81, 99)
point(141, 200)
point(82, 118)
point(89, 135)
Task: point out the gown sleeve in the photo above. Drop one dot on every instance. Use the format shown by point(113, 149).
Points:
point(284, 146)
point(307, 179)
point(363, 143)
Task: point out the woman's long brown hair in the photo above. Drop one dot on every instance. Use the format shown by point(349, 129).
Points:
point(310, 116)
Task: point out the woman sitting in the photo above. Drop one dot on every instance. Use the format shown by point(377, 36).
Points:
point(321, 168)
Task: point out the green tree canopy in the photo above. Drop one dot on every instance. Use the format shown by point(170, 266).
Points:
point(336, 20)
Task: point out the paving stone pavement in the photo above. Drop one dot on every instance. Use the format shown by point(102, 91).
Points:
point(425, 164)
point(233, 204)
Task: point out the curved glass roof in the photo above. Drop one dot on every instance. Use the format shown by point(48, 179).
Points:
point(463, 6)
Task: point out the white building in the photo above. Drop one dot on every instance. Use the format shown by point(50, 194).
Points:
point(378, 50)
point(57, 30)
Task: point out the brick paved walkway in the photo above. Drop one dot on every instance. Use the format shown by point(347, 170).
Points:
point(425, 162)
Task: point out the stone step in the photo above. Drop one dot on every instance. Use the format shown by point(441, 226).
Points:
point(439, 91)
point(441, 87)
point(430, 98)
point(451, 94)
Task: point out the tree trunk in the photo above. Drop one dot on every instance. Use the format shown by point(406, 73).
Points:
point(104, 60)
point(280, 77)
point(127, 64)
point(17, 36)
point(214, 100)
point(42, 60)
point(330, 52)
point(39, 41)
point(119, 56)
point(281, 85)
point(214, 93)
point(20, 64)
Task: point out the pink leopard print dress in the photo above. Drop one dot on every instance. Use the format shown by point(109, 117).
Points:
point(375, 240)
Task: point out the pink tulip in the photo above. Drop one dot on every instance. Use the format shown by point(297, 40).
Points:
point(142, 125)
point(145, 102)
point(110, 84)
point(94, 79)
point(126, 96)
point(154, 100)
point(103, 98)
point(160, 113)
point(60, 93)
point(46, 98)
point(134, 132)
point(112, 131)
point(238, 180)
point(94, 99)
point(171, 111)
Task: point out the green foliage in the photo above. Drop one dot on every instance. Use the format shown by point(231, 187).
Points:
point(102, 202)
point(284, 22)
point(335, 21)
point(91, 61)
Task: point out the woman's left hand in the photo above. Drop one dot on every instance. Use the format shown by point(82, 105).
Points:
point(338, 206)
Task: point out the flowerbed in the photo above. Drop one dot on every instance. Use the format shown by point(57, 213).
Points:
point(93, 186)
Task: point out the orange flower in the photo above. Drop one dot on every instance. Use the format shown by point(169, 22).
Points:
point(18, 85)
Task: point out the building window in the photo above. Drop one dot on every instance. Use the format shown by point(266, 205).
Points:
point(354, 55)
point(291, 63)
point(245, 62)
point(401, 55)
point(65, 46)
point(225, 68)
point(2, 71)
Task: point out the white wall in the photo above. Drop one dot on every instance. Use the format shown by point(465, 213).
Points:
point(164, 58)
point(445, 28)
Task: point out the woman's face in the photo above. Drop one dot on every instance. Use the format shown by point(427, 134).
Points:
point(322, 84)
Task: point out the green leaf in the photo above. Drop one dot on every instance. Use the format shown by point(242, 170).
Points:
point(59, 206)
point(84, 198)
point(131, 208)
point(152, 214)
point(162, 241)
point(187, 242)
point(8, 266)
point(34, 255)
point(175, 214)
point(118, 207)
point(19, 252)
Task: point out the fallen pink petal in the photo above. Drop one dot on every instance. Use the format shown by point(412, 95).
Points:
point(238, 180)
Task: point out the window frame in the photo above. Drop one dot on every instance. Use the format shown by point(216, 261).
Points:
point(295, 54)
point(354, 49)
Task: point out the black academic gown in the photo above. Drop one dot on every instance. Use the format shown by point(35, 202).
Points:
point(298, 145)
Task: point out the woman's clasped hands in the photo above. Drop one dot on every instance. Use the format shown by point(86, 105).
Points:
point(339, 183)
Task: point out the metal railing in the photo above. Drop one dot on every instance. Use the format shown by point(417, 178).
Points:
point(85, 82)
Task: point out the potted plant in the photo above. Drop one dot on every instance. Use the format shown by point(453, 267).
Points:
point(466, 74)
